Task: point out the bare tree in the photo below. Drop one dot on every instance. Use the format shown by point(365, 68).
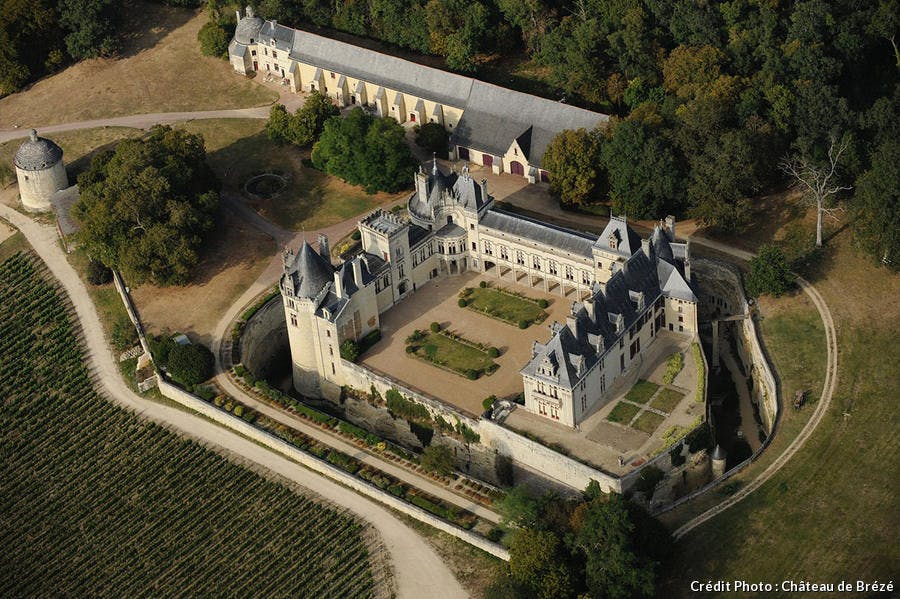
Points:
point(818, 181)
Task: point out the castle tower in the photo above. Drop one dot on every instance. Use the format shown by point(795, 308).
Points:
point(40, 171)
point(718, 461)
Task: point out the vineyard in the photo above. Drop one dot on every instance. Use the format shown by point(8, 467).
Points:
point(95, 501)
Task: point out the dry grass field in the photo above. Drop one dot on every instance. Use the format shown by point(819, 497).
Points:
point(831, 512)
point(159, 69)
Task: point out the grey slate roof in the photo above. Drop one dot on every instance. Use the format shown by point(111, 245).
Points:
point(495, 116)
point(450, 230)
point(553, 236)
point(628, 241)
point(381, 69)
point(452, 188)
point(311, 272)
point(248, 28)
point(37, 153)
point(417, 235)
point(284, 36)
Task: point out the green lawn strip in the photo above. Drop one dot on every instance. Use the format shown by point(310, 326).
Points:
point(503, 305)
point(452, 354)
point(641, 392)
point(648, 422)
point(623, 412)
point(667, 400)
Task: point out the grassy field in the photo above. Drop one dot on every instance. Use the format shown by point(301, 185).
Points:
point(830, 514)
point(648, 422)
point(503, 305)
point(442, 350)
point(160, 69)
point(641, 392)
point(239, 148)
point(667, 400)
point(623, 412)
point(95, 501)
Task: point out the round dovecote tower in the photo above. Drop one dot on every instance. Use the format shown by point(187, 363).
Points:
point(719, 457)
point(247, 30)
point(40, 171)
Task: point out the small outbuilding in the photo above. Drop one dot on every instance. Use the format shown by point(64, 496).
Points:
point(41, 172)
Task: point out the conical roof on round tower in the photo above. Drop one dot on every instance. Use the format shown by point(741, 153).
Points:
point(311, 272)
point(37, 153)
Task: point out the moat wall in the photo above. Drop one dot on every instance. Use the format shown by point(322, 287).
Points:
point(719, 287)
point(265, 349)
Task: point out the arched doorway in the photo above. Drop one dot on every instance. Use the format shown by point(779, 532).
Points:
point(516, 168)
point(487, 160)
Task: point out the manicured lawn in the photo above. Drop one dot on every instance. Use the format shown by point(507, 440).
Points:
point(623, 412)
point(642, 391)
point(667, 400)
point(648, 422)
point(450, 353)
point(503, 305)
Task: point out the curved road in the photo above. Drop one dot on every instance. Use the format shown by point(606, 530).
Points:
point(418, 570)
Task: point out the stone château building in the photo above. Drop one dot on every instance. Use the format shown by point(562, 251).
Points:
point(505, 130)
point(627, 289)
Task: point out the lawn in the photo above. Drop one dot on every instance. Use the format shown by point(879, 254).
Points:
point(641, 392)
point(459, 357)
point(648, 422)
point(159, 69)
point(238, 149)
point(831, 512)
point(667, 400)
point(95, 501)
point(623, 412)
point(503, 305)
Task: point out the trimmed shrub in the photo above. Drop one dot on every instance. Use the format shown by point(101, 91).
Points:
point(411, 349)
point(495, 534)
point(462, 303)
point(355, 236)
point(190, 364)
point(472, 374)
point(493, 352)
point(523, 324)
point(488, 402)
point(542, 303)
point(349, 350)
point(674, 364)
point(435, 327)
point(482, 284)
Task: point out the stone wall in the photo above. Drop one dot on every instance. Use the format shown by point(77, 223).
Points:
point(264, 339)
point(721, 280)
point(322, 467)
point(494, 438)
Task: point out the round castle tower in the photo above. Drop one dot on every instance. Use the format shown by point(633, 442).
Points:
point(41, 172)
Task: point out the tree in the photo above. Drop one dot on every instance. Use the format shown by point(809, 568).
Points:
point(434, 138)
point(536, 562)
point(365, 150)
point(644, 177)
point(573, 161)
point(91, 26)
point(519, 508)
point(349, 350)
point(818, 182)
point(213, 40)
point(769, 272)
point(308, 123)
point(279, 124)
point(877, 206)
point(438, 459)
point(190, 364)
point(606, 536)
point(144, 208)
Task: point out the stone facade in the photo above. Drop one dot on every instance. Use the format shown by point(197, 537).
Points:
point(488, 125)
point(40, 171)
point(626, 289)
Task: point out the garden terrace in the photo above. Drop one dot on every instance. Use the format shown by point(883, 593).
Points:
point(133, 493)
point(504, 305)
point(447, 351)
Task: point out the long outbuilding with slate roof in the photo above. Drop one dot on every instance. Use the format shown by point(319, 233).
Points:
point(625, 289)
point(489, 125)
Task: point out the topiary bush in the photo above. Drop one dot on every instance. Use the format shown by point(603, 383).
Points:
point(523, 324)
point(472, 374)
point(542, 303)
point(462, 303)
point(488, 402)
point(435, 327)
point(482, 284)
point(190, 364)
point(493, 352)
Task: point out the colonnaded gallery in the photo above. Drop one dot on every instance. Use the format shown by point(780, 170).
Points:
point(625, 289)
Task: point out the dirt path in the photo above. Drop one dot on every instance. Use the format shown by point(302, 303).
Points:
point(419, 571)
point(795, 446)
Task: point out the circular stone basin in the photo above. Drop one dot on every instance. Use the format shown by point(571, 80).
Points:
point(265, 186)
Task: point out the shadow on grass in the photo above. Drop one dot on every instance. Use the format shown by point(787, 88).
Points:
point(146, 24)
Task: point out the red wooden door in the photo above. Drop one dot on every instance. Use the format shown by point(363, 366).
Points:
point(487, 159)
point(516, 168)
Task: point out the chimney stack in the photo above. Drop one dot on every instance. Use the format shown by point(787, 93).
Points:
point(670, 227)
point(338, 284)
point(324, 249)
point(239, 15)
point(484, 191)
point(645, 246)
point(357, 272)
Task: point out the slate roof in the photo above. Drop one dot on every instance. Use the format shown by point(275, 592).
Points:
point(284, 36)
point(451, 188)
point(543, 233)
point(248, 28)
point(310, 272)
point(450, 230)
point(417, 235)
point(381, 69)
point(37, 153)
point(495, 116)
point(591, 329)
point(628, 241)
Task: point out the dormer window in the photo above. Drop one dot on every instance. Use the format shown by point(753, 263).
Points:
point(613, 241)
